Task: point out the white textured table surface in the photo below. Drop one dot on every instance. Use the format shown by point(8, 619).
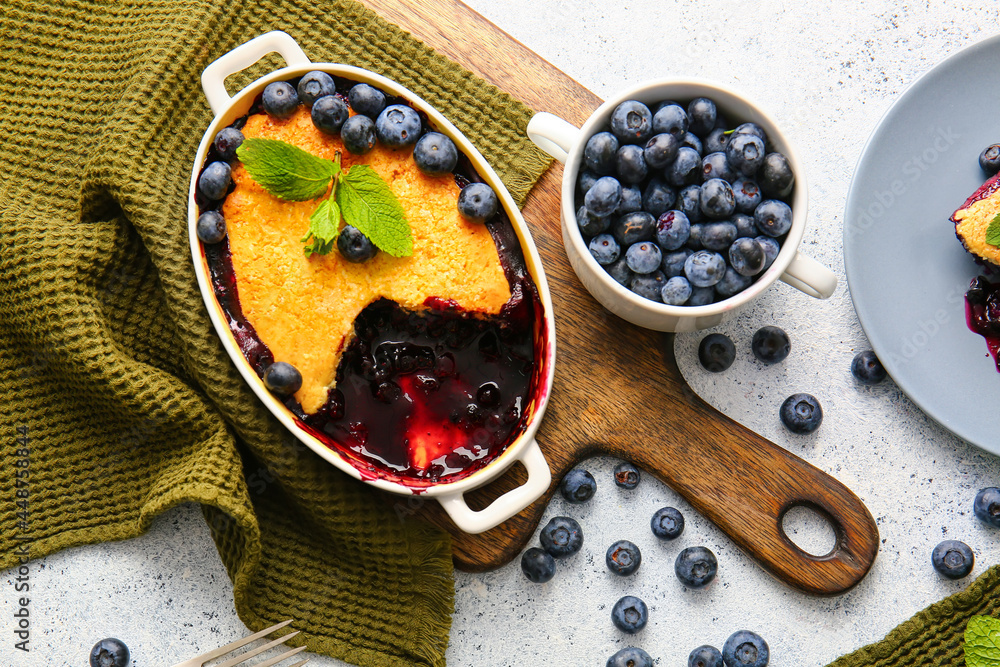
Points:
point(826, 73)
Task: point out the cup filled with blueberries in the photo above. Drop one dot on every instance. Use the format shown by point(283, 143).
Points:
point(681, 202)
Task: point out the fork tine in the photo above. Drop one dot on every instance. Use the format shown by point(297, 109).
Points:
point(278, 658)
point(239, 643)
point(257, 651)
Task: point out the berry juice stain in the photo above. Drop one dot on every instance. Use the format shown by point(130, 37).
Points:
point(982, 313)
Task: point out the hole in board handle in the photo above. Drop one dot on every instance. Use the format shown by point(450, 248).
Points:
point(809, 530)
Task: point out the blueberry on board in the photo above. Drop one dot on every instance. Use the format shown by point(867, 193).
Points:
point(643, 257)
point(632, 122)
point(538, 565)
point(329, 114)
point(693, 142)
point(661, 150)
point(701, 113)
point(715, 165)
point(773, 217)
point(716, 352)
point(685, 169)
point(398, 125)
point(366, 100)
point(631, 200)
point(626, 476)
point(953, 559)
point(701, 296)
point(658, 197)
point(478, 202)
point(676, 291)
point(315, 85)
point(604, 248)
point(633, 228)
point(751, 128)
point(591, 225)
point(717, 199)
point(354, 246)
point(620, 272)
point(226, 142)
point(867, 368)
point(704, 268)
point(600, 153)
point(673, 262)
point(629, 614)
point(282, 378)
point(745, 225)
point(695, 567)
point(358, 134)
point(603, 196)
point(746, 256)
point(689, 201)
point(630, 656)
point(578, 486)
point(279, 99)
point(649, 285)
point(770, 345)
point(745, 153)
point(667, 523)
point(671, 119)
point(214, 180)
point(771, 249)
point(748, 195)
point(435, 154)
point(672, 230)
point(989, 159)
point(986, 506)
point(561, 536)
point(732, 283)
point(110, 652)
point(211, 227)
point(745, 649)
point(705, 656)
point(586, 180)
point(716, 141)
point(801, 413)
point(623, 558)
point(776, 178)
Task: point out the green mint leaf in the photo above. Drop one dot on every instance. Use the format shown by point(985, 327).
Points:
point(982, 641)
point(324, 224)
point(993, 232)
point(368, 204)
point(286, 171)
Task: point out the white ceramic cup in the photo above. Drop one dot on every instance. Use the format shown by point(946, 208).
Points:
point(565, 142)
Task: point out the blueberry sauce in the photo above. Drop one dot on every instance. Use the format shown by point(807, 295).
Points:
point(982, 313)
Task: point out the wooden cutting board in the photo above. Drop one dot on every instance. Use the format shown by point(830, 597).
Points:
point(603, 402)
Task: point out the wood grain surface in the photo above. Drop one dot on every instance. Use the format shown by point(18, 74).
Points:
point(737, 479)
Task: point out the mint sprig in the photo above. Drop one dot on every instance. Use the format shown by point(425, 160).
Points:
point(359, 195)
point(982, 641)
point(993, 232)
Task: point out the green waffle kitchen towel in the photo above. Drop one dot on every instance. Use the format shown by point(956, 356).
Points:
point(117, 399)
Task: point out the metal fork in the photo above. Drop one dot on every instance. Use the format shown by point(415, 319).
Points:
point(240, 643)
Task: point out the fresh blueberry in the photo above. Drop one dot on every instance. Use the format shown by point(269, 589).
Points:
point(354, 246)
point(801, 413)
point(867, 368)
point(280, 99)
point(211, 227)
point(226, 142)
point(695, 567)
point(676, 291)
point(751, 128)
point(630, 614)
point(397, 126)
point(776, 178)
point(745, 225)
point(586, 180)
point(747, 194)
point(745, 153)
point(604, 196)
point(673, 262)
point(630, 164)
point(716, 352)
point(953, 559)
point(686, 168)
point(366, 100)
point(631, 200)
point(702, 113)
point(732, 283)
point(435, 154)
point(315, 85)
point(672, 230)
point(689, 201)
point(773, 217)
point(358, 134)
point(626, 476)
point(715, 165)
point(671, 119)
point(717, 236)
point(989, 159)
point(214, 180)
point(478, 202)
point(747, 256)
point(623, 558)
point(632, 122)
point(620, 272)
point(717, 199)
point(661, 150)
point(282, 378)
point(658, 197)
point(771, 249)
point(633, 228)
point(604, 248)
point(704, 268)
point(537, 565)
point(705, 656)
point(770, 345)
point(578, 486)
point(716, 141)
point(561, 536)
point(643, 257)
point(649, 285)
point(110, 652)
point(701, 296)
point(745, 649)
point(329, 114)
point(986, 506)
point(600, 153)
point(667, 523)
point(590, 224)
point(692, 142)
point(630, 656)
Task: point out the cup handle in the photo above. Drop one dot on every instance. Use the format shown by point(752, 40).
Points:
point(553, 135)
point(213, 79)
point(507, 505)
point(809, 276)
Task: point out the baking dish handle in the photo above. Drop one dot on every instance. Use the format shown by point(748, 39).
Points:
point(213, 79)
point(507, 505)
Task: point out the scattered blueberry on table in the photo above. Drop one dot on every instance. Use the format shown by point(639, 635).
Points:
point(630, 614)
point(578, 486)
point(696, 567)
point(745, 649)
point(986, 506)
point(626, 475)
point(716, 352)
point(667, 523)
point(110, 652)
point(770, 345)
point(623, 558)
point(630, 656)
point(705, 656)
point(538, 565)
point(801, 413)
point(867, 368)
point(561, 536)
point(953, 559)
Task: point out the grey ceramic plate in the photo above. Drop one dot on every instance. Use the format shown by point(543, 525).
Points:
point(906, 270)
